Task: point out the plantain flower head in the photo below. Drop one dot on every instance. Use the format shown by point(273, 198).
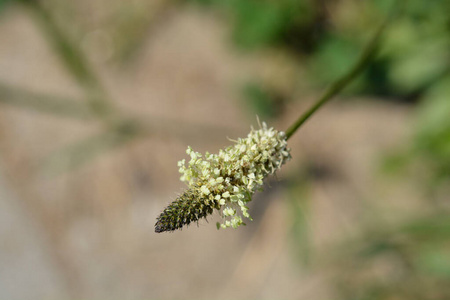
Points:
point(225, 181)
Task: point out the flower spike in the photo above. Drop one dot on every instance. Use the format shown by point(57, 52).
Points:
point(226, 181)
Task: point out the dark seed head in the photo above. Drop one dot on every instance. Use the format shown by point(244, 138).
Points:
point(187, 208)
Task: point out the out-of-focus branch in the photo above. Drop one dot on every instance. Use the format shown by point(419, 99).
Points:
point(74, 59)
point(48, 104)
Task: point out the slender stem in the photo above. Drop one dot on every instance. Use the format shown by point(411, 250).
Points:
point(345, 80)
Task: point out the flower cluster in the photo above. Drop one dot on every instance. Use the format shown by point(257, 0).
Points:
point(225, 181)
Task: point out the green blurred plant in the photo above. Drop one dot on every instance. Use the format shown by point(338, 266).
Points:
point(432, 140)
point(329, 34)
point(261, 23)
point(406, 261)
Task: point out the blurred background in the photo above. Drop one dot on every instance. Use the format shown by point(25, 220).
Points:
point(99, 99)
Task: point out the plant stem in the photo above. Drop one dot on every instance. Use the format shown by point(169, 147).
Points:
point(345, 80)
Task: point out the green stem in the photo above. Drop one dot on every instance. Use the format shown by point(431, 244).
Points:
point(345, 80)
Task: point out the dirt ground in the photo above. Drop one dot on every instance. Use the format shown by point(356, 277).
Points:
point(87, 233)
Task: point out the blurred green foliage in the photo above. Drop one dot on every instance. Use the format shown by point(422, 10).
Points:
point(432, 142)
point(262, 23)
point(328, 34)
point(408, 261)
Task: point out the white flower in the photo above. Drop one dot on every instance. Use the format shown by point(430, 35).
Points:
point(205, 190)
point(230, 178)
